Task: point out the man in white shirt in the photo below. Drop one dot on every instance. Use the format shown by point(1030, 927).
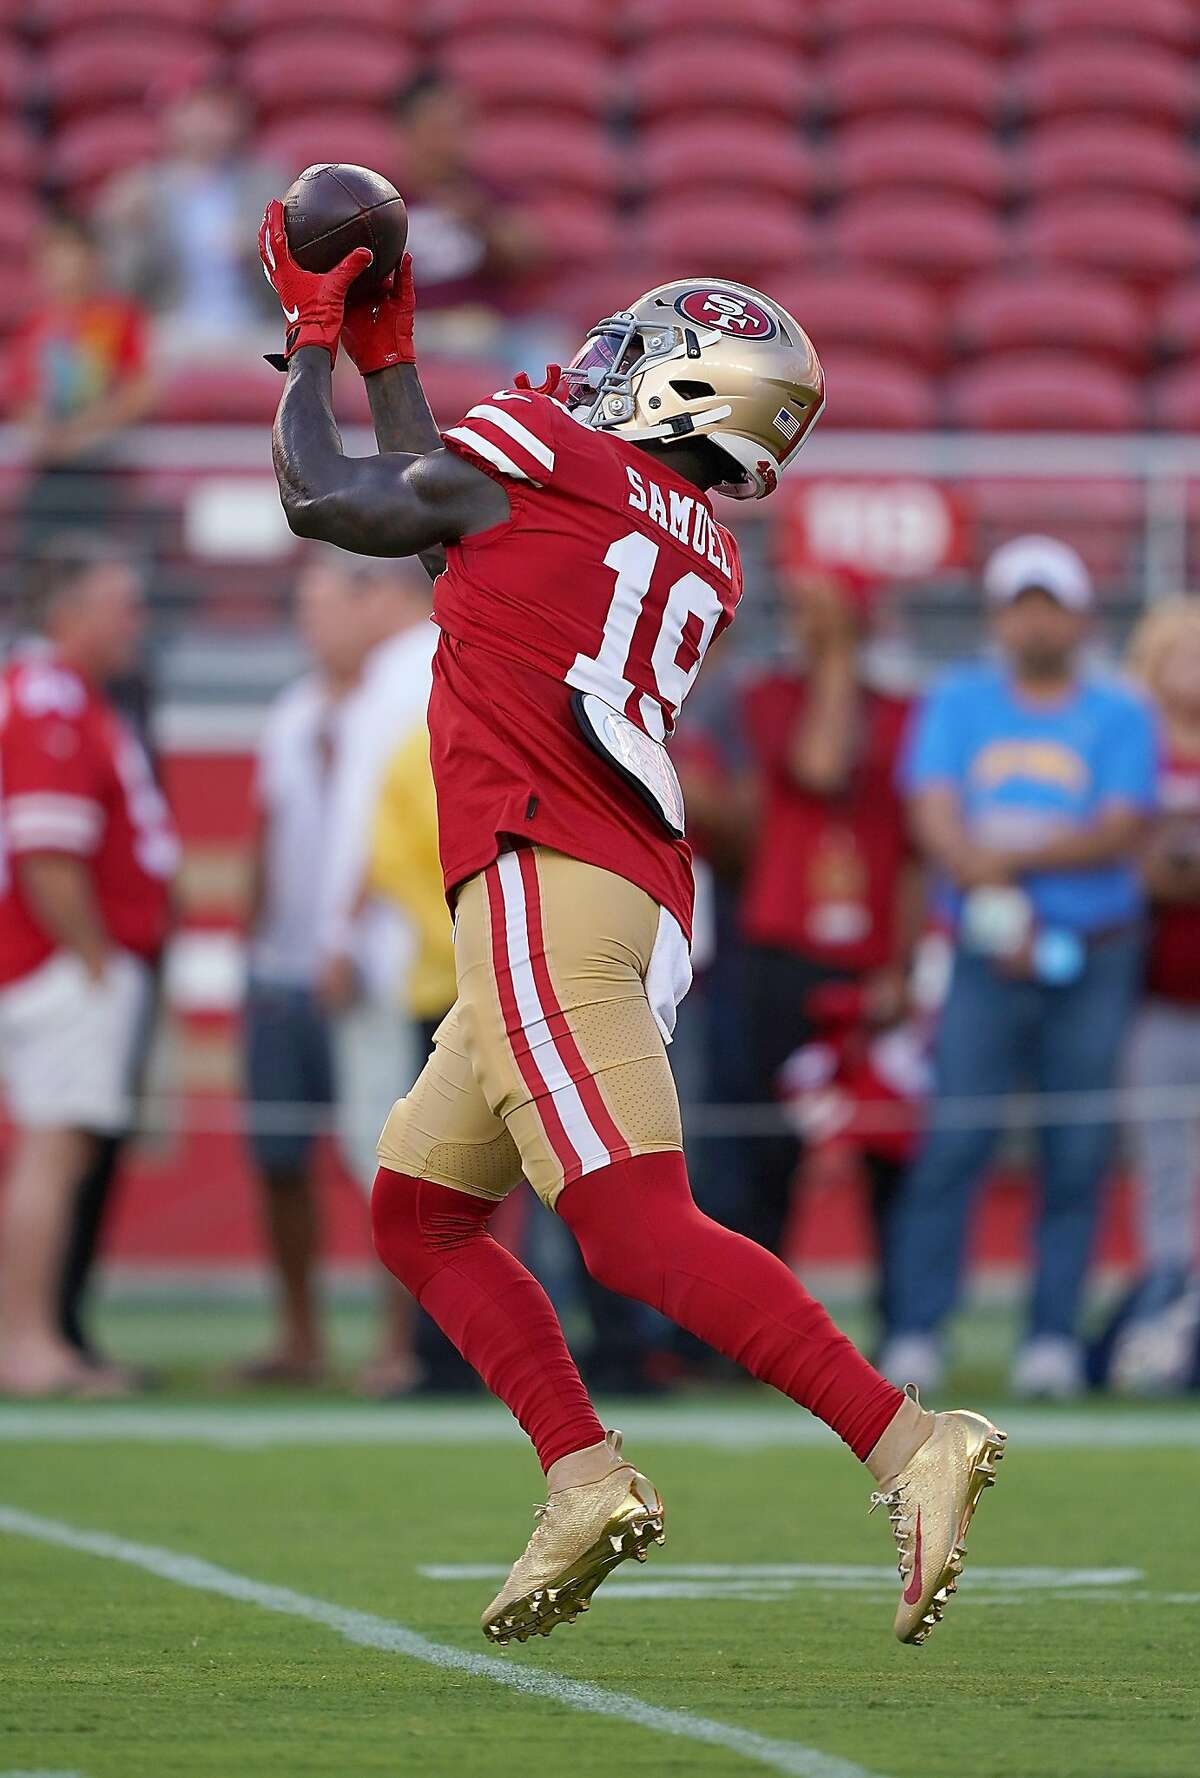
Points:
point(365, 945)
point(289, 1070)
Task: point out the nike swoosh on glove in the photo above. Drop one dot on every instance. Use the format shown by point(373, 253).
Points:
point(379, 332)
point(313, 303)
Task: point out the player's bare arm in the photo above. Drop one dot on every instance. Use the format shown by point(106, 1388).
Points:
point(401, 503)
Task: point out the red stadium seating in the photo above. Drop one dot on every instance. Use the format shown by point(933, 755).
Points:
point(980, 23)
point(577, 234)
point(1058, 311)
point(581, 298)
point(57, 17)
point(364, 137)
point(90, 149)
point(1175, 399)
point(1103, 520)
point(1044, 392)
point(1142, 239)
point(900, 73)
point(739, 236)
point(1178, 320)
point(878, 153)
point(586, 18)
point(20, 156)
point(758, 154)
point(938, 237)
point(867, 311)
point(528, 153)
point(20, 218)
point(697, 77)
point(245, 393)
point(292, 69)
point(1170, 22)
point(1110, 154)
point(16, 75)
point(503, 71)
point(781, 20)
point(1096, 77)
point(864, 392)
point(381, 17)
point(101, 67)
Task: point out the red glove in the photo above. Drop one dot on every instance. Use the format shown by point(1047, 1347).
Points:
point(312, 302)
point(380, 332)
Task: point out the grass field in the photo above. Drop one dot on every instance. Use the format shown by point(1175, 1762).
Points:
point(353, 1548)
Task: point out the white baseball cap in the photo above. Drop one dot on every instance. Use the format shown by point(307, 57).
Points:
point(1043, 562)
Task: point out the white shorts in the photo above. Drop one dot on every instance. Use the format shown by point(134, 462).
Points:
point(68, 1043)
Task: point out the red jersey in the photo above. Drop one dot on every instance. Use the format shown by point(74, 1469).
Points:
point(823, 878)
point(1173, 966)
point(610, 576)
point(75, 779)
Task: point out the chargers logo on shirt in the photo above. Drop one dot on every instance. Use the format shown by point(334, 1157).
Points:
point(1036, 761)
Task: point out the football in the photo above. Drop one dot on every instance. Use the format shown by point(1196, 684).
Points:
point(332, 209)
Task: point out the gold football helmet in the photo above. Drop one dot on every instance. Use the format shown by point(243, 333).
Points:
point(703, 356)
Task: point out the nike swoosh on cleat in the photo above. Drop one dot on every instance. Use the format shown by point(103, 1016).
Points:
point(912, 1591)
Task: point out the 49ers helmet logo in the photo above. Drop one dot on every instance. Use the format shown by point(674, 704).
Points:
point(740, 316)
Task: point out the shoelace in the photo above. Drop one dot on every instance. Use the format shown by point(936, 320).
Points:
point(901, 1521)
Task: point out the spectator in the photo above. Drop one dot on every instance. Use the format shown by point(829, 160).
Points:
point(79, 380)
point(1154, 1346)
point(183, 229)
point(472, 248)
point(1030, 779)
point(89, 854)
point(289, 1064)
point(831, 893)
point(366, 945)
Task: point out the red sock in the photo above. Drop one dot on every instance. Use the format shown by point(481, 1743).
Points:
point(436, 1242)
point(642, 1234)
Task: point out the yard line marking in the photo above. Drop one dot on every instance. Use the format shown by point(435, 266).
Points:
point(837, 1574)
point(367, 1631)
point(738, 1430)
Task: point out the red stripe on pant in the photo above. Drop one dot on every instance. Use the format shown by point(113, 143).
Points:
point(556, 1019)
point(526, 1061)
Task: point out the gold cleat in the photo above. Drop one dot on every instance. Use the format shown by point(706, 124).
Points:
point(930, 1506)
point(581, 1535)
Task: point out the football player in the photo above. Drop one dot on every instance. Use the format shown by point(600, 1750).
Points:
point(581, 574)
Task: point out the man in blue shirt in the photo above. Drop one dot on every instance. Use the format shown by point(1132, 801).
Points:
point(1029, 781)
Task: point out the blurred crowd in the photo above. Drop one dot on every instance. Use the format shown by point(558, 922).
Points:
point(917, 910)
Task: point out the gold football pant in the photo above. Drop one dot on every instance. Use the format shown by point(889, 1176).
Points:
point(550, 1064)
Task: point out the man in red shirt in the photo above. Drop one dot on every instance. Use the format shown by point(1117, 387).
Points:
point(581, 575)
point(831, 892)
point(87, 852)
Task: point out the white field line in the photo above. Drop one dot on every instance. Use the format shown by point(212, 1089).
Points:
point(367, 1631)
point(731, 1429)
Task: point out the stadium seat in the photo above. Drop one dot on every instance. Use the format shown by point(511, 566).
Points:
point(1098, 76)
point(1178, 321)
point(899, 73)
point(1043, 392)
point(525, 152)
point(875, 154)
point(102, 67)
point(1142, 239)
point(57, 17)
point(16, 76)
point(935, 236)
point(1111, 154)
point(90, 149)
point(866, 311)
point(250, 18)
point(503, 72)
point(288, 70)
point(364, 137)
point(868, 393)
point(739, 236)
point(578, 234)
point(980, 23)
point(581, 297)
point(697, 77)
point(20, 218)
point(21, 295)
point(583, 18)
point(1175, 398)
point(241, 393)
point(1169, 22)
point(756, 153)
point(1102, 518)
point(21, 158)
point(780, 20)
point(1057, 311)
